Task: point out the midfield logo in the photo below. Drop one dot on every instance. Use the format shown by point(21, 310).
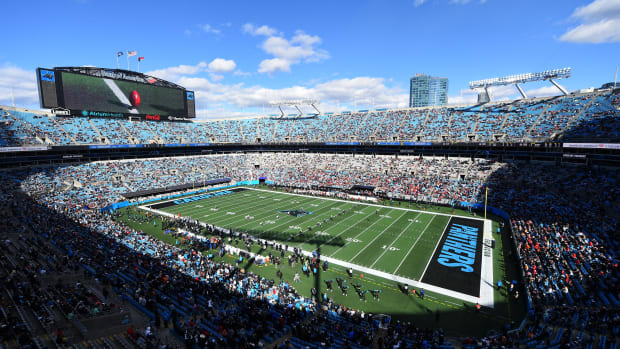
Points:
point(296, 213)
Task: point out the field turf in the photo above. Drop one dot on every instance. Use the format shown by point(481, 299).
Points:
point(395, 238)
point(389, 239)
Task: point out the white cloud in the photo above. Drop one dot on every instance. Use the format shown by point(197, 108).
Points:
point(23, 85)
point(253, 30)
point(221, 65)
point(417, 3)
point(600, 23)
point(544, 91)
point(304, 39)
point(239, 72)
point(225, 100)
point(209, 29)
point(464, 97)
point(599, 9)
point(468, 96)
point(500, 93)
point(215, 68)
point(606, 30)
point(273, 65)
point(174, 73)
point(216, 77)
point(300, 48)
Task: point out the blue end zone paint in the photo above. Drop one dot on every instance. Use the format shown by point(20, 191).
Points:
point(457, 262)
point(182, 201)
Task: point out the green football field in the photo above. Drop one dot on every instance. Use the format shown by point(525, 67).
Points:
point(394, 239)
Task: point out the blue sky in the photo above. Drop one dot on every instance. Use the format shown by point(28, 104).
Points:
point(239, 55)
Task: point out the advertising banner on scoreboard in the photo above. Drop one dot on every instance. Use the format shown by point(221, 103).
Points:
point(108, 115)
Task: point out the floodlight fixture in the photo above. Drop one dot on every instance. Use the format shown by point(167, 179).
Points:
point(307, 101)
point(296, 103)
point(523, 78)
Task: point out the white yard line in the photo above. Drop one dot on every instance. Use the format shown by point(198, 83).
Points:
point(230, 203)
point(120, 95)
point(264, 216)
point(342, 232)
point(335, 225)
point(356, 236)
point(311, 219)
point(369, 271)
point(435, 249)
point(486, 272)
point(376, 237)
point(398, 237)
point(375, 205)
point(415, 243)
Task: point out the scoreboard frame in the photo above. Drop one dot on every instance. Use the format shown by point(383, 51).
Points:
point(51, 93)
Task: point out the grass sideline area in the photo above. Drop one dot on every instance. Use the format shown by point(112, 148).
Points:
point(456, 317)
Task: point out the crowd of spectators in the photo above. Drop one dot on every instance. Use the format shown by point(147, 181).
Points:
point(564, 220)
point(204, 301)
point(575, 116)
point(430, 179)
point(599, 121)
point(179, 286)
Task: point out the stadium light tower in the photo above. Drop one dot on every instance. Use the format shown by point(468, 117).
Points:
point(550, 75)
point(296, 103)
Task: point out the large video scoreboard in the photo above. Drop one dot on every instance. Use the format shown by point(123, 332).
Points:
point(99, 92)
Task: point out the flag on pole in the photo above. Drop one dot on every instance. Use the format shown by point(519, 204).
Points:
point(120, 53)
point(131, 53)
point(140, 58)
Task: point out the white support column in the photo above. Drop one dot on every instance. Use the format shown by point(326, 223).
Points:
point(559, 87)
point(315, 108)
point(521, 91)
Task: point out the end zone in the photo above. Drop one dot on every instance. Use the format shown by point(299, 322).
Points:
point(463, 260)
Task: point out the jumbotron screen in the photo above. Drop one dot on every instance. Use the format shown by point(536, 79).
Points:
point(117, 96)
point(89, 95)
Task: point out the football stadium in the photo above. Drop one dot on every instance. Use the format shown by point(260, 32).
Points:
point(131, 220)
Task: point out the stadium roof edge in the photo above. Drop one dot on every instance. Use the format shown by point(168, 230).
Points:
point(28, 110)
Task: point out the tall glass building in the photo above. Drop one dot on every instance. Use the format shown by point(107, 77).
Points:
point(425, 90)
